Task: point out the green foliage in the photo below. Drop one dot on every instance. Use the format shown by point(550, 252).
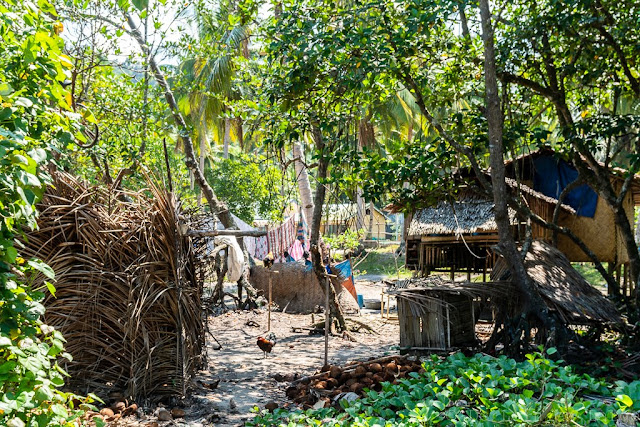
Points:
point(478, 391)
point(32, 119)
point(350, 239)
point(247, 188)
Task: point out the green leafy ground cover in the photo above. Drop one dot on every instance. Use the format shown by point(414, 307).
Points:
point(481, 391)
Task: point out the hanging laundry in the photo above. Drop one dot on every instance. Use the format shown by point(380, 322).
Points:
point(281, 238)
point(296, 250)
point(345, 274)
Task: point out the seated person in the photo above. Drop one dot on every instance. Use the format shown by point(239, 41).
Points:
point(307, 262)
point(287, 257)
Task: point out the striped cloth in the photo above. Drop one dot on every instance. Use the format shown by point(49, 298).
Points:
point(281, 238)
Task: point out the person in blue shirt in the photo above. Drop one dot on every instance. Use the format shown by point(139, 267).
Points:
point(327, 265)
point(307, 262)
point(287, 257)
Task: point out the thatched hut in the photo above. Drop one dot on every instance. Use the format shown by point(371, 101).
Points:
point(457, 236)
point(127, 297)
point(296, 288)
point(340, 217)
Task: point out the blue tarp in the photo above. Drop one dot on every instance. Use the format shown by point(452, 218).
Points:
point(552, 176)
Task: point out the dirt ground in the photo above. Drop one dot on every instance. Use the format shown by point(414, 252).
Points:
point(246, 377)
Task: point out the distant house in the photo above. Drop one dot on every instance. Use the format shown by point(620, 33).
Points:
point(339, 217)
point(457, 236)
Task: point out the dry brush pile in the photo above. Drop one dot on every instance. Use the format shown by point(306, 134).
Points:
point(127, 299)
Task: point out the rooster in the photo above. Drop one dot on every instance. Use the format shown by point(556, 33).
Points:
point(266, 344)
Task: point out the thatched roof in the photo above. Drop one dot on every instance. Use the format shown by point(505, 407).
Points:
point(562, 287)
point(465, 216)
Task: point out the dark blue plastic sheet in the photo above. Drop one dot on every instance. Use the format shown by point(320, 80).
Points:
point(552, 176)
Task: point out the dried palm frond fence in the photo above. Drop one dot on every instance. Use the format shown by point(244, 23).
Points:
point(127, 299)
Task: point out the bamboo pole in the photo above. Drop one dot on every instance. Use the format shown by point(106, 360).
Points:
point(327, 321)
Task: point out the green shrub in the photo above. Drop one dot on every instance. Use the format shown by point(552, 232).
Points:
point(32, 119)
point(481, 391)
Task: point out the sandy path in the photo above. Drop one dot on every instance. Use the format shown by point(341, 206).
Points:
point(246, 377)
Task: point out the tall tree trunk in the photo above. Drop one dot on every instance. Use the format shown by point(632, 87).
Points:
point(304, 186)
point(638, 230)
point(360, 209)
point(227, 138)
point(318, 266)
point(202, 148)
point(366, 138)
point(217, 207)
point(533, 304)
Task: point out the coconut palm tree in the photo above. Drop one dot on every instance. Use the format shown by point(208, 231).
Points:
point(210, 77)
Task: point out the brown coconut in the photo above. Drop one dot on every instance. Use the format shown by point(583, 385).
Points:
point(335, 372)
point(356, 388)
point(344, 377)
point(320, 385)
point(375, 367)
point(360, 371)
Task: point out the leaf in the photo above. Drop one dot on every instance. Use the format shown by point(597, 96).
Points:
point(625, 400)
point(140, 4)
point(5, 89)
point(52, 289)
point(11, 253)
point(23, 102)
point(43, 268)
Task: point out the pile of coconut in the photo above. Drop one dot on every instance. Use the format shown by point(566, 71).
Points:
point(334, 383)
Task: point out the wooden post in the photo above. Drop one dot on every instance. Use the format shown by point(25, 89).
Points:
point(327, 322)
point(271, 273)
point(269, 306)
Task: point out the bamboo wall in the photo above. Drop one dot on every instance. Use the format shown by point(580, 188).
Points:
point(449, 322)
point(599, 233)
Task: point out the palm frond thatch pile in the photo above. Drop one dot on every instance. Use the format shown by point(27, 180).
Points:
point(127, 299)
point(563, 288)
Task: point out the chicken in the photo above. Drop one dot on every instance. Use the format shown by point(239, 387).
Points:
point(266, 344)
point(268, 261)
